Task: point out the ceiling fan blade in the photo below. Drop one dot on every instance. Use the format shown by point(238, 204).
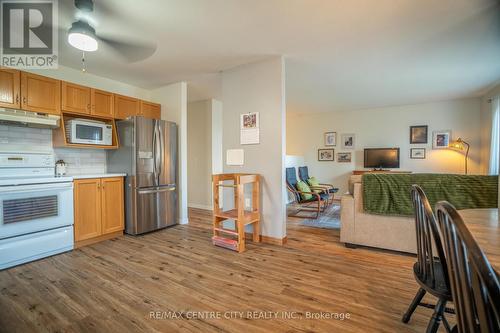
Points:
point(131, 51)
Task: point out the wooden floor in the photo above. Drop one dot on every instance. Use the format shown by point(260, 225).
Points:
point(114, 286)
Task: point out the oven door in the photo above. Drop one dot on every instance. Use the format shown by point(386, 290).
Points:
point(87, 133)
point(30, 208)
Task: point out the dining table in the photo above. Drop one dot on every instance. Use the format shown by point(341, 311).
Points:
point(485, 228)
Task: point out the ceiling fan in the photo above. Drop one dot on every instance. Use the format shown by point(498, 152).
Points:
point(82, 36)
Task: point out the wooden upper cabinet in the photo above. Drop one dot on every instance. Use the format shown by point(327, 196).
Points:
point(75, 98)
point(102, 103)
point(40, 94)
point(87, 208)
point(126, 106)
point(112, 205)
point(150, 110)
point(10, 88)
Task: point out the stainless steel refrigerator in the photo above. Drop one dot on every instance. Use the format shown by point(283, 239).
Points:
point(148, 154)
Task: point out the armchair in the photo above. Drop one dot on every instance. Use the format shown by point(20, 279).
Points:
point(328, 188)
point(321, 199)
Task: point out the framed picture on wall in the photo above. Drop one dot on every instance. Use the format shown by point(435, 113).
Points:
point(326, 155)
point(417, 153)
point(344, 157)
point(249, 128)
point(330, 138)
point(418, 134)
point(441, 139)
point(348, 141)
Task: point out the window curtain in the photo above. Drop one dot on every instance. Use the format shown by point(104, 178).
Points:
point(495, 136)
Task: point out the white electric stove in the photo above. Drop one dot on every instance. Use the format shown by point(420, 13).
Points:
point(36, 208)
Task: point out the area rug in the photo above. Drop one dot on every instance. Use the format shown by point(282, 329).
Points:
point(329, 219)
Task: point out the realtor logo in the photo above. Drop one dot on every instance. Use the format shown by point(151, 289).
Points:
point(29, 34)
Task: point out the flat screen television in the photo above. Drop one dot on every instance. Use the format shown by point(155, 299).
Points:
point(382, 158)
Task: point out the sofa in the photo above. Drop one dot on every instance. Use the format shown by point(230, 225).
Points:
point(397, 232)
point(381, 231)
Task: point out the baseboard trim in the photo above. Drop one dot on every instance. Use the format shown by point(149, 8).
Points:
point(198, 206)
point(98, 239)
point(273, 240)
point(267, 239)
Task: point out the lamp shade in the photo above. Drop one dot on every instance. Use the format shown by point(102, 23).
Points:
point(457, 144)
point(82, 36)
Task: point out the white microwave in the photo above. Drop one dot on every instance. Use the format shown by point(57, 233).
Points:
point(89, 132)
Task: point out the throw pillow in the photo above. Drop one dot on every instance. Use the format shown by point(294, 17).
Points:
point(303, 187)
point(313, 182)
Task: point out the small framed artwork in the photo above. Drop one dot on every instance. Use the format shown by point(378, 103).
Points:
point(344, 157)
point(418, 134)
point(348, 141)
point(441, 139)
point(417, 153)
point(326, 154)
point(249, 120)
point(330, 138)
point(249, 128)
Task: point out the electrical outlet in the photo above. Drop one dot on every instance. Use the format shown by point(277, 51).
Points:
point(247, 203)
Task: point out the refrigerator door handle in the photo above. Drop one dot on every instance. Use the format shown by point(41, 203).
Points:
point(157, 190)
point(162, 150)
point(158, 152)
point(154, 156)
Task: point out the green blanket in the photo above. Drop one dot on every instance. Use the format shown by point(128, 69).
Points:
point(390, 194)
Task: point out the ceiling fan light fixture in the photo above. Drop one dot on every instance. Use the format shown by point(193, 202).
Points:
point(82, 36)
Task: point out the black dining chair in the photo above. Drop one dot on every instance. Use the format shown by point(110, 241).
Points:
point(430, 270)
point(475, 285)
point(321, 199)
point(328, 188)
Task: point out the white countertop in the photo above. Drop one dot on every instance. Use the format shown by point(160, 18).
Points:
point(97, 175)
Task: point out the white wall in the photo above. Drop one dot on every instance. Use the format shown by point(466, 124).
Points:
point(204, 131)
point(250, 88)
point(388, 127)
point(217, 139)
point(199, 154)
point(173, 100)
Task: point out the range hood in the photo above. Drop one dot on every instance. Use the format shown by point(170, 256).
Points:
point(28, 119)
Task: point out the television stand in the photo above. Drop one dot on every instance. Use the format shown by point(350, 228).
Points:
point(360, 172)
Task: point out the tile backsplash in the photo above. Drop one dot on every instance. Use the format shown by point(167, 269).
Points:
point(25, 136)
point(82, 161)
point(79, 161)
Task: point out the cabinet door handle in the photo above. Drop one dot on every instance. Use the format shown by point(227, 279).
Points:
point(24, 100)
point(17, 98)
point(88, 107)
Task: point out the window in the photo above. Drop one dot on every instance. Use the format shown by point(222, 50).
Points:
point(495, 136)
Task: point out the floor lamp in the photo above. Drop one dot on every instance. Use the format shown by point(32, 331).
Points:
point(461, 145)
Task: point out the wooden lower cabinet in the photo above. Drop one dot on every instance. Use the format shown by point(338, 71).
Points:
point(98, 209)
point(112, 205)
point(87, 207)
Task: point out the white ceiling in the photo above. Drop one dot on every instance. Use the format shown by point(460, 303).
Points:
point(340, 55)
